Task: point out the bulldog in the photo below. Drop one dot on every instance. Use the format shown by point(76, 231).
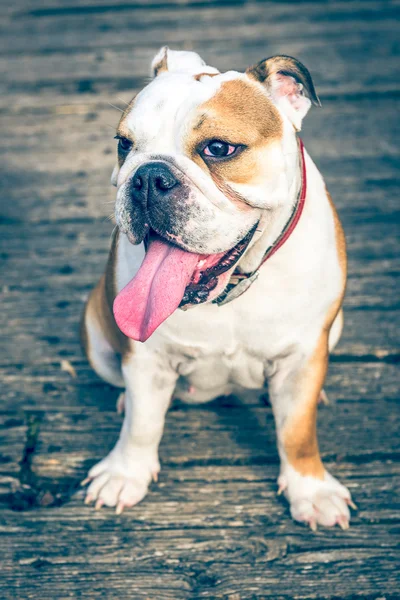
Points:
point(227, 271)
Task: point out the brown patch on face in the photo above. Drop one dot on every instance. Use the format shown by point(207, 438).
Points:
point(99, 307)
point(122, 128)
point(200, 122)
point(239, 113)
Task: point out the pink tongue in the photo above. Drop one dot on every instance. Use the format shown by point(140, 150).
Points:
point(156, 290)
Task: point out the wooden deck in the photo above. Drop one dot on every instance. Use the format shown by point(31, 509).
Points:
point(213, 526)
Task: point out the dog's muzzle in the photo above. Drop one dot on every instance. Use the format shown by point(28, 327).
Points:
point(152, 182)
point(154, 199)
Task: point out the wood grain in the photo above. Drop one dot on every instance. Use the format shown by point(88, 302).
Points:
point(212, 527)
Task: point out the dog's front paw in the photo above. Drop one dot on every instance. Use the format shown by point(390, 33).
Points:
point(316, 501)
point(121, 479)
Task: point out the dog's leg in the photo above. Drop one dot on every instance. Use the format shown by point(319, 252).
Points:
point(334, 336)
point(122, 478)
point(100, 337)
point(315, 496)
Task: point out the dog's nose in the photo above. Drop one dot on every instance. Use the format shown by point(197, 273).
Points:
point(154, 178)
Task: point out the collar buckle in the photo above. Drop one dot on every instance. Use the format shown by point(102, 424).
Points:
point(235, 288)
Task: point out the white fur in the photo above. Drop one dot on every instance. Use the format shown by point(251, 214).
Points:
point(158, 121)
point(122, 478)
point(268, 333)
point(315, 501)
point(181, 61)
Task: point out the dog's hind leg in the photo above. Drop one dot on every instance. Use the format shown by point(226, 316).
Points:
point(101, 339)
point(334, 336)
point(336, 330)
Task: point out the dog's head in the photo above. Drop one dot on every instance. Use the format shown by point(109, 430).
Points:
point(201, 157)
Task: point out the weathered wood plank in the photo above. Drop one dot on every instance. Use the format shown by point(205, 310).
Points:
point(218, 541)
point(278, 18)
point(361, 423)
point(218, 512)
point(33, 336)
point(230, 434)
point(245, 32)
point(121, 70)
point(254, 570)
point(231, 497)
point(36, 8)
point(212, 527)
point(28, 385)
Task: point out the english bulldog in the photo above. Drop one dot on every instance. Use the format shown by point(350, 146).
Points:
point(227, 271)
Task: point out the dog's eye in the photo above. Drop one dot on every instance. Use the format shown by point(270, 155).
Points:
point(123, 143)
point(219, 149)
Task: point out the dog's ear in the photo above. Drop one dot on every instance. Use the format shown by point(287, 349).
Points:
point(159, 64)
point(177, 61)
point(287, 81)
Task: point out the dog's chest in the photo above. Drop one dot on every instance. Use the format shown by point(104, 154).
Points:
point(204, 377)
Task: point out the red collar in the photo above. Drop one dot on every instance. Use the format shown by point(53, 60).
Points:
point(296, 214)
point(240, 282)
